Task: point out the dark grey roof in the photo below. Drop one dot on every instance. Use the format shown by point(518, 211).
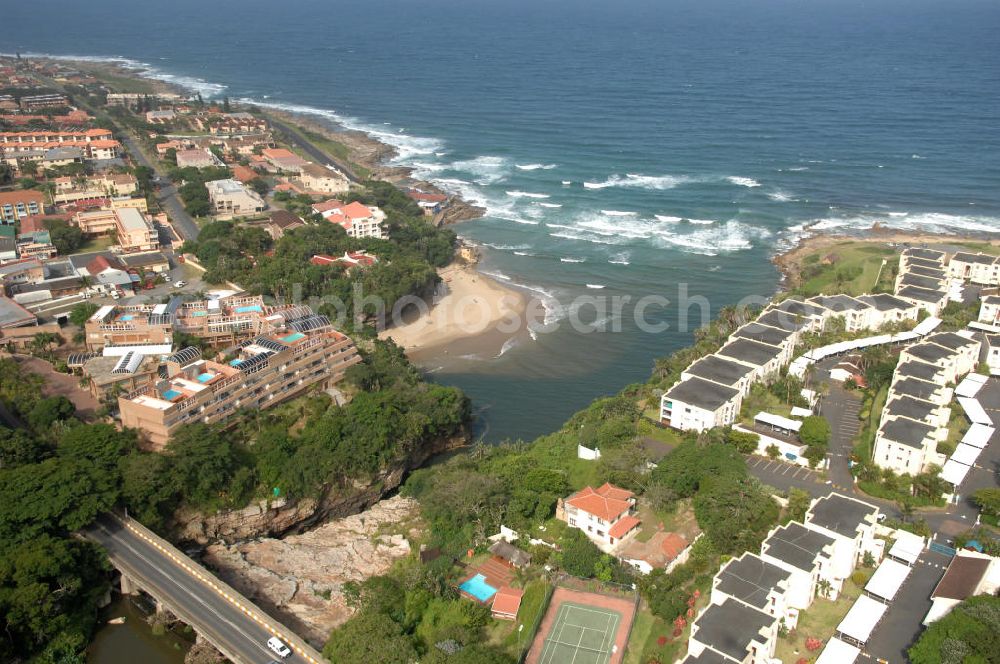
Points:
point(730, 627)
point(799, 308)
point(927, 254)
point(916, 369)
point(796, 545)
point(141, 260)
point(920, 262)
point(839, 303)
point(907, 432)
point(921, 294)
point(992, 299)
point(13, 314)
point(885, 302)
point(750, 579)
point(966, 257)
point(719, 370)
point(951, 340)
point(768, 335)
point(80, 261)
point(782, 320)
point(707, 656)
point(907, 406)
point(48, 284)
point(840, 514)
point(922, 271)
point(921, 389)
point(993, 340)
point(510, 553)
point(929, 352)
point(702, 393)
point(929, 283)
point(753, 352)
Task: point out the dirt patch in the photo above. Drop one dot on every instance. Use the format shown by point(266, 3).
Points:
point(60, 384)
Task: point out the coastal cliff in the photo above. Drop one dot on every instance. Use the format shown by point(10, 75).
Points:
point(276, 518)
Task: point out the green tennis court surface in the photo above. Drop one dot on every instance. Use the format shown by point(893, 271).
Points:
point(581, 635)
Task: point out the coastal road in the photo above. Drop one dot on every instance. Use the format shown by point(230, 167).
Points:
point(172, 579)
point(293, 136)
point(171, 202)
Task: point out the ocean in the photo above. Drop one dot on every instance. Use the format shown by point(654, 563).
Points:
point(622, 149)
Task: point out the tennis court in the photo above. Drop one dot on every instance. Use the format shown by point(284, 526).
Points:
point(581, 635)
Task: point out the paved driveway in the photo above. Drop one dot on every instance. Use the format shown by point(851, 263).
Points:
point(901, 624)
point(840, 408)
point(784, 476)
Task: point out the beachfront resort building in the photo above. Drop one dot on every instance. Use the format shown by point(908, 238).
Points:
point(606, 514)
point(296, 355)
point(980, 269)
point(357, 219)
point(230, 197)
point(697, 404)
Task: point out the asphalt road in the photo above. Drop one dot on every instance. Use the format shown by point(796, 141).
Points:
point(194, 602)
point(293, 136)
point(171, 202)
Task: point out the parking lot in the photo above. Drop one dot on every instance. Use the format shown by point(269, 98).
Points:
point(783, 476)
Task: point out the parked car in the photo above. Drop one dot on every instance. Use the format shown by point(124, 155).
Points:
point(115, 295)
point(166, 277)
point(180, 284)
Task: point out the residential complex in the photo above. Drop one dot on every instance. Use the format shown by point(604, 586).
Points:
point(231, 197)
point(296, 354)
point(15, 205)
point(606, 514)
point(357, 219)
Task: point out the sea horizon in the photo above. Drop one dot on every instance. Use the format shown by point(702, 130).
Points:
point(725, 153)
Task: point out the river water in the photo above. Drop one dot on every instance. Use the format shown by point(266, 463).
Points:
point(133, 642)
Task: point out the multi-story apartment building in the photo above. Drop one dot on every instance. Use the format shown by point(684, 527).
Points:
point(133, 230)
point(22, 203)
point(296, 355)
point(231, 197)
point(33, 137)
point(978, 268)
point(70, 190)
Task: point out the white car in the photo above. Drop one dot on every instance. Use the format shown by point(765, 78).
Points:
point(180, 284)
point(279, 647)
point(166, 277)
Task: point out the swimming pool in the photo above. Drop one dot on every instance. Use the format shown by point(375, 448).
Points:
point(248, 309)
point(170, 395)
point(126, 317)
point(293, 337)
point(205, 377)
point(478, 588)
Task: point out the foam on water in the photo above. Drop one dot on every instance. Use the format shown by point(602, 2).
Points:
point(569, 259)
point(666, 218)
point(535, 167)
point(621, 258)
point(618, 213)
point(638, 181)
point(742, 181)
point(525, 194)
point(551, 205)
point(780, 196)
point(595, 286)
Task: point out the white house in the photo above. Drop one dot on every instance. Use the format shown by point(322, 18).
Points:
point(808, 555)
point(765, 359)
point(992, 352)
point(736, 630)
point(357, 219)
point(813, 315)
point(698, 404)
point(889, 309)
point(723, 371)
point(606, 514)
point(965, 348)
point(851, 523)
point(977, 268)
point(857, 315)
point(969, 574)
point(761, 584)
point(904, 446)
point(931, 301)
point(989, 310)
point(772, 336)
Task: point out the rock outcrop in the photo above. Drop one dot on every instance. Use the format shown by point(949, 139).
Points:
point(274, 518)
point(300, 577)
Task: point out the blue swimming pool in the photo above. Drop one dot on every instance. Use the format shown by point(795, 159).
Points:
point(170, 395)
point(248, 309)
point(127, 317)
point(205, 377)
point(478, 588)
point(292, 337)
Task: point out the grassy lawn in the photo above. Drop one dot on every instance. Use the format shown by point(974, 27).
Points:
point(847, 267)
point(504, 632)
point(95, 244)
point(819, 621)
point(957, 427)
point(866, 437)
point(124, 83)
point(649, 430)
point(763, 400)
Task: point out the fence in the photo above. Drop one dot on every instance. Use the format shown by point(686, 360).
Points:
point(542, 609)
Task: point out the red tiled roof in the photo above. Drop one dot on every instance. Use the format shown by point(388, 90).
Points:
point(326, 206)
point(243, 174)
point(98, 265)
point(21, 196)
point(624, 525)
point(673, 544)
point(323, 259)
point(507, 601)
point(356, 210)
point(608, 502)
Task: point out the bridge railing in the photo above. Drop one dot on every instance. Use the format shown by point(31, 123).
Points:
point(245, 606)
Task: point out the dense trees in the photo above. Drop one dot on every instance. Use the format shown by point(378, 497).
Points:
point(970, 634)
point(66, 238)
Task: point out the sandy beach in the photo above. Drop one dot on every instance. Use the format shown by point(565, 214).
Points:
point(469, 304)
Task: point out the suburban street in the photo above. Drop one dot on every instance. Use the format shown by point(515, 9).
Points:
point(215, 617)
point(171, 202)
point(318, 155)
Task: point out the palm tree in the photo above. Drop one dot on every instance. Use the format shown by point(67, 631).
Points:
point(823, 587)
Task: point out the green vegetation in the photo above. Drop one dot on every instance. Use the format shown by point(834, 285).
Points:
point(970, 634)
point(406, 266)
point(193, 191)
point(301, 449)
point(848, 267)
point(66, 238)
point(819, 621)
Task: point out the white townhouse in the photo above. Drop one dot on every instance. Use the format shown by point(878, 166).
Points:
point(904, 446)
point(765, 359)
point(857, 315)
point(772, 336)
point(813, 315)
point(889, 309)
point(966, 349)
point(717, 369)
point(989, 310)
point(697, 404)
point(736, 630)
point(808, 555)
point(980, 269)
point(754, 581)
point(851, 523)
